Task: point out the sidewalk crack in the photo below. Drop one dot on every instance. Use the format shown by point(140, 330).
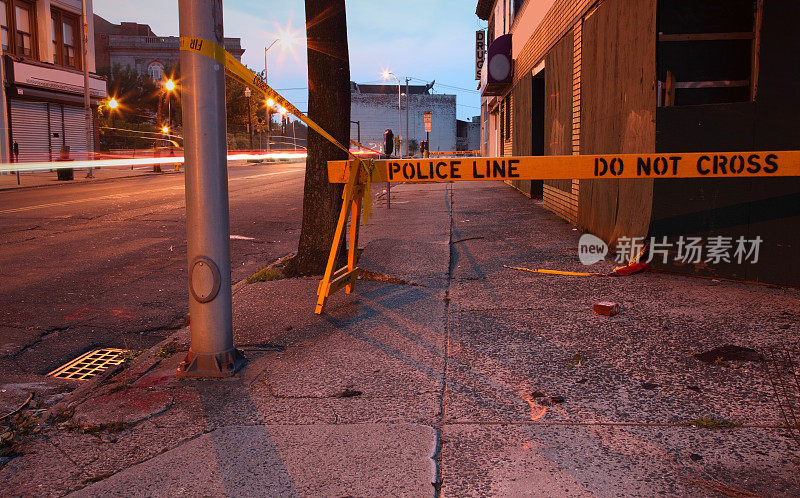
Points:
point(438, 429)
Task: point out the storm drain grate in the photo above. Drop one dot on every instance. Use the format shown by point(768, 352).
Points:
point(87, 365)
point(782, 368)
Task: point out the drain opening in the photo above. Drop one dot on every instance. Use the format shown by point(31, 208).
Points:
point(87, 365)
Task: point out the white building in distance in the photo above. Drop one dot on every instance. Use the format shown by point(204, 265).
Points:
point(374, 107)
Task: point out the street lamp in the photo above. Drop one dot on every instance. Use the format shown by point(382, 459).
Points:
point(169, 86)
point(270, 102)
point(283, 124)
point(248, 93)
point(113, 105)
point(385, 75)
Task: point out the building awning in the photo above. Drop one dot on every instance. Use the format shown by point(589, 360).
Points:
point(499, 67)
point(52, 79)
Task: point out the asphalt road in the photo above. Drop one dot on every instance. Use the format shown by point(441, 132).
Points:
point(103, 264)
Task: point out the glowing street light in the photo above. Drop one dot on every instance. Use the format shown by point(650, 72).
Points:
point(386, 74)
point(169, 85)
point(165, 129)
point(270, 102)
point(113, 104)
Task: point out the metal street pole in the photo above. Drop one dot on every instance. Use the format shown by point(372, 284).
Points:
point(87, 110)
point(247, 94)
point(5, 150)
point(400, 131)
point(211, 352)
point(408, 137)
point(267, 111)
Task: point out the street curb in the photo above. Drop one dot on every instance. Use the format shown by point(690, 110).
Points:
point(82, 181)
point(101, 180)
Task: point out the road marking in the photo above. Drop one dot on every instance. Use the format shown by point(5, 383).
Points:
point(124, 196)
point(241, 237)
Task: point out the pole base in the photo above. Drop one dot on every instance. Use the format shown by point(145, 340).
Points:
point(211, 366)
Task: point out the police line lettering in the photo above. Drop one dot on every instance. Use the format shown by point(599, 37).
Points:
point(451, 170)
point(680, 165)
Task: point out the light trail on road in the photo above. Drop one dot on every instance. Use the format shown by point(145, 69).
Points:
point(127, 195)
point(136, 161)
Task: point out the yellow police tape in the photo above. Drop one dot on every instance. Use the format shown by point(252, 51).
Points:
point(751, 164)
point(240, 72)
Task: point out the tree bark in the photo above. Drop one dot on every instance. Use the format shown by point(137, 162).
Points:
point(328, 106)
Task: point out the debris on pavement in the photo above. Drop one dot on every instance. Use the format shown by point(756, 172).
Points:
point(606, 308)
point(578, 360)
point(728, 352)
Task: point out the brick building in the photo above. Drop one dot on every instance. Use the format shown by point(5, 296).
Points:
point(651, 76)
point(43, 57)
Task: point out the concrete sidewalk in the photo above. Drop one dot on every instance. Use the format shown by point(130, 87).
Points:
point(471, 380)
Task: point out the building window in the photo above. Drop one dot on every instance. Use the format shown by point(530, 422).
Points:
point(4, 24)
point(65, 39)
point(18, 27)
point(517, 6)
point(23, 13)
point(156, 71)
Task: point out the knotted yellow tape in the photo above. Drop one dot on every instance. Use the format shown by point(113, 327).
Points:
point(240, 72)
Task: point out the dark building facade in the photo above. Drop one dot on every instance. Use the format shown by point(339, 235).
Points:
point(136, 46)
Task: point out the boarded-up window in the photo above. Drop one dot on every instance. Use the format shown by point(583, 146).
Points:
point(706, 51)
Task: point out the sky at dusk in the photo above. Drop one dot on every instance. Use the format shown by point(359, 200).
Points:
point(422, 39)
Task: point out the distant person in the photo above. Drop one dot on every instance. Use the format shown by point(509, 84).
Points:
point(388, 142)
point(15, 152)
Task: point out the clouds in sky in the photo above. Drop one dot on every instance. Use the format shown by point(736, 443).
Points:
point(423, 39)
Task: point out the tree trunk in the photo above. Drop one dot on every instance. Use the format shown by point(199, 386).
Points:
point(328, 106)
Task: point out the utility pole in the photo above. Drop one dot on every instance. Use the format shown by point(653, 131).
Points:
point(5, 150)
point(267, 109)
point(87, 110)
point(211, 352)
point(408, 96)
